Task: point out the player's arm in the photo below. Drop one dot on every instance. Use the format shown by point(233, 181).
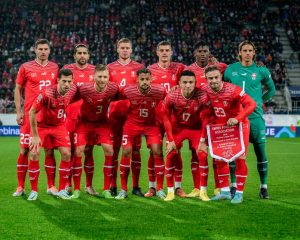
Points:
point(17, 98)
point(248, 106)
point(226, 76)
point(269, 85)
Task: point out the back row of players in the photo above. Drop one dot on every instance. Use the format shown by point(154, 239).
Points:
point(115, 104)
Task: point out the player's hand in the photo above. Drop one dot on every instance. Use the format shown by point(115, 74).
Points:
point(232, 122)
point(35, 144)
point(202, 147)
point(170, 147)
point(20, 118)
point(212, 59)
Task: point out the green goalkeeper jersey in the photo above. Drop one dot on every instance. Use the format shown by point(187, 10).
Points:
point(251, 79)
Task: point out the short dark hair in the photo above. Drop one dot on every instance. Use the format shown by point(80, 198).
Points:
point(200, 44)
point(80, 45)
point(41, 41)
point(163, 43)
point(187, 73)
point(212, 68)
point(100, 68)
point(143, 70)
point(65, 72)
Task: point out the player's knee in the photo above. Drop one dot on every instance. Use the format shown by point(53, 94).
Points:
point(79, 151)
point(35, 156)
point(108, 150)
point(65, 155)
point(24, 151)
point(49, 152)
point(127, 152)
point(88, 150)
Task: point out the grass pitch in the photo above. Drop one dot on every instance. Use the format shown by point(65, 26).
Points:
point(139, 218)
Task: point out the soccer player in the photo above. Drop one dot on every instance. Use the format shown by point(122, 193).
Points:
point(96, 96)
point(166, 73)
point(123, 72)
point(33, 77)
point(230, 105)
point(251, 78)
point(182, 108)
point(83, 72)
point(141, 120)
point(204, 59)
point(50, 124)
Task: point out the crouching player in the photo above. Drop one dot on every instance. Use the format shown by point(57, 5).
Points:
point(50, 124)
point(230, 105)
point(93, 119)
point(182, 108)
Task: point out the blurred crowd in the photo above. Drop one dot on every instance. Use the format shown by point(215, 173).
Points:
point(100, 23)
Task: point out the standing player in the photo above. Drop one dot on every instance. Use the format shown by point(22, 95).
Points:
point(230, 105)
point(251, 78)
point(123, 72)
point(50, 124)
point(141, 120)
point(96, 96)
point(183, 107)
point(33, 77)
point(203, 59)
point(166, 73)
point(83, 72)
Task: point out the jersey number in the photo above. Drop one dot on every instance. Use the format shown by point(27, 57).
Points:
point(219, 112)
point(99, 109)
point(143, 112)
point(124, 139)
point(166, 86)
point(24, 138)
point(60, 113)
point(123, 82)
point(44, 83)
point(186, 116)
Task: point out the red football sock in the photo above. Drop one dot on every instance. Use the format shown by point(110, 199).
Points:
point(76, 171)
point(64, 173)
point(159, 171)
point(203, 168)
point(124, 172)
point(107, 171)
point(151, 169)
point(195, 169)
point(89, 170)
point(170, 168)
point(34, 172)
point(117, 145)
point(50, 168)
point(217, 185)
point(223, 173)
point(241, 173)
point(178, 168)
point(135, 168)
point(22, 166)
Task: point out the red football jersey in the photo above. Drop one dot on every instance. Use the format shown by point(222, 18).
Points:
point(51, 106)
point(142, 106)
point(124, 74)
point(185, 112)
point(80, 76)
point(34, 78)
point(230, 102)
point(199, 72)
point(95, 104)
point(167, 77)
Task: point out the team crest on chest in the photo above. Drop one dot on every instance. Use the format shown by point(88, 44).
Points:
point(132, 73)
point(225, 103)
point(173, 77)
point(91, 77)
point(52, 75)
point(33, 75)
point(253, 76)
point(153, 104)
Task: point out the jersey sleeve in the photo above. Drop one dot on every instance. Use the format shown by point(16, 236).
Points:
point(21, 78)
point(39, 102)
point(268, 84)
point(247, 102)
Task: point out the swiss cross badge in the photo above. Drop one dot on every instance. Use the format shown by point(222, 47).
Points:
point(253, 76)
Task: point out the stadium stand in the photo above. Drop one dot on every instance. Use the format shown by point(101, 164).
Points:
point(65, 23)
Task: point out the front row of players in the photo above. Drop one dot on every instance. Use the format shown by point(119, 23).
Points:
point(184, 113)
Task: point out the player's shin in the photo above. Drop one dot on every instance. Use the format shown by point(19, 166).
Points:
point(76, 171)
point(22, 166)
point(34, 172)
point(195, 169)
point(64, 173)
point(169, 169)
point(241, 172)
point(203, 169)
point(107, 172)
point(89, 167)
point(124, 172)
point(159, 171)
point(50, 168)
point(135, 167)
